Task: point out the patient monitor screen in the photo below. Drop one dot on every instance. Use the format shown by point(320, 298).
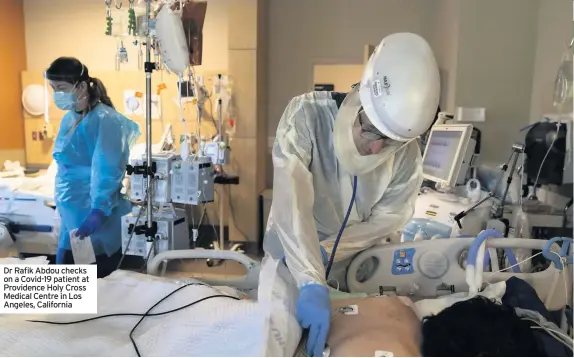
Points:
point(440, 153)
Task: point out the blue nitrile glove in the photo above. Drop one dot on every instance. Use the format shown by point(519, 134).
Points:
point(324, 256)
point(60, 254)
point(314, 313)
point(91, 224)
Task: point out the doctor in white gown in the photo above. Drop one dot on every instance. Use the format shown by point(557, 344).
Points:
point(324, 144)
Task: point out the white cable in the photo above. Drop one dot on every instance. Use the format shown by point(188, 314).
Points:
point(184, 145)
point(509, 267)
point(522, 175)
point(553, 333)
point(564, 336)
point(554, 283)
point(561, 336)
point(334, 279)
point(197, 92)
point(181, 115)
point(558, 124)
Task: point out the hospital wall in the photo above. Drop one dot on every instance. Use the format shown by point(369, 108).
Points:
point(501, 55)
point(305, 33)
point(12, 62)
point(495, 69)
point(443, 37)
point(555, 31)
point(508, 67)
point(76, 28)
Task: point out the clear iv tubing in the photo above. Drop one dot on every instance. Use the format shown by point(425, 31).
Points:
point(182, 118)
point(558, 124)
point(343, 225)
point(522, 175)
point(197, 93)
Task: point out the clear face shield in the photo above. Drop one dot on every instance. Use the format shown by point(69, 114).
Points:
point(369, 134)
point(359, 146)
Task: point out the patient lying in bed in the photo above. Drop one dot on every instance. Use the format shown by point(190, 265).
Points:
point(376, 326)
point(388, 326)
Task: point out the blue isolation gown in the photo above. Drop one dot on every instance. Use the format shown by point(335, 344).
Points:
point(92, 154)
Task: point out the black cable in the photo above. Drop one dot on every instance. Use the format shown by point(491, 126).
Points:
point(144, 315)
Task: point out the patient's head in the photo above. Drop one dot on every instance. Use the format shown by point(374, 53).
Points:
point(478, 327)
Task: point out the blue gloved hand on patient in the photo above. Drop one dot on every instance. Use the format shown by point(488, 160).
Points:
point(314, 313)
point(92, 223)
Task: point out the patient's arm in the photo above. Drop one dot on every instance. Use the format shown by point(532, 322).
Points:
point(382, 324)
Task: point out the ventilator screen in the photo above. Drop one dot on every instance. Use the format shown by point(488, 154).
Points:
point(441, 152)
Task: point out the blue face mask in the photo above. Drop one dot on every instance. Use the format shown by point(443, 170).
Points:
point(66, 101)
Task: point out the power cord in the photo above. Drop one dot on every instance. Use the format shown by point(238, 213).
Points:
point(146, 314)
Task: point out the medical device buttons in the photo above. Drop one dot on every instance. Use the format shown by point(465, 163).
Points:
point(433, 264)
point(402, 262)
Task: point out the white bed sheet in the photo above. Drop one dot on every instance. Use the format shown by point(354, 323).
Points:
point(215, 327)
point(41, 185)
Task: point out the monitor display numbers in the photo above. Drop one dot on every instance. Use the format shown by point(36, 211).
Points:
point(441, 152)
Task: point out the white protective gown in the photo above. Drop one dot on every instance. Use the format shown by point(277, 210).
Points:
point(311, 191)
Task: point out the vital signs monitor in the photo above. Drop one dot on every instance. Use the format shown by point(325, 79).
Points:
point(448, 154)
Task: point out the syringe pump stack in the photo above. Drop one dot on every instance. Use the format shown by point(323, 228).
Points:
point(163, 163)
point(192, 181)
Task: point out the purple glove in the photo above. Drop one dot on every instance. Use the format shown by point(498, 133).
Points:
point(91, 224)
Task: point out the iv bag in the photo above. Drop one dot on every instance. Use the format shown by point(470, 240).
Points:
point(563, 84)
point(172, 41)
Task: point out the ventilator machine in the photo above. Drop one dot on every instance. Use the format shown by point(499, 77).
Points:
point(448, 161)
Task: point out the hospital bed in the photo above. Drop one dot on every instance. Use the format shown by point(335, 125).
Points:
point(239, 326)
point(434, 268)
point(220, 321)
point(27, 212)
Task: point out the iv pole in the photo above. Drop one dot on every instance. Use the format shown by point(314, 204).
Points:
point(150, 226)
